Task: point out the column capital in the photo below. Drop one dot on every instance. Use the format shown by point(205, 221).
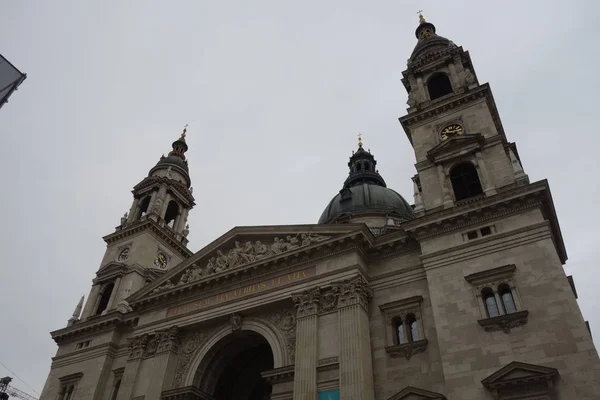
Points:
point(137, 346)
point(167, 340)
point(307, 302)
point(353, 291)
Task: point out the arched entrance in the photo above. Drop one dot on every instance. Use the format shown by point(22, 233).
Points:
point(231, 369)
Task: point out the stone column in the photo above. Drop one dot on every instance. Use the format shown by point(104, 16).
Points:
point(454, 77)
point(447, 201)
point(167, 199)
point(423, 93)
point(488, 186)
point(305, 369)
point(137, 347)
point(91, 302)
point(114, 293)
point(133, 210)
point(181, 220)
point(356, 366)
point(165, 362)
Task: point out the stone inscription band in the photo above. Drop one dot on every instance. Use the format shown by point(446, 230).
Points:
point(277, 281)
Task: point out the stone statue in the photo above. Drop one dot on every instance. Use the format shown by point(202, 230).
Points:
point(249, 252)
point(124, 219)
point(186, 230)
point(191, 190)
point(260, 250)
point(211, 266)
point(411, 100)
point(157, 205)
point(166, 286)
point(222, 262)
point(170, 173)
point(469, 78)
point(292, 243)
point(277, 246)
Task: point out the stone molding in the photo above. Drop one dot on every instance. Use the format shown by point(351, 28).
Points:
point(505, 322)
point(353, 291)
point(518, 379)
point(407, 350)
point(93, 325)
point(279, 375)
point(416, 393)
point(328, 361)
point(185, 393)
point(491, 275)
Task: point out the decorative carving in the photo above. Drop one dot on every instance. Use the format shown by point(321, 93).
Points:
point(150, 348)
point(329, 302)
point(167, 340)
point(286, 321)
point(190, 344)
point(353, 291)
point(411, 100)
point(407, 350)
point(242, 254)
point(157, 205)
point(236, 322)
point(469, 78)
point(307, 302)
point(328, 361)
point(137, 346)
point(124, 219)
point(186, 230)
point(504, 323)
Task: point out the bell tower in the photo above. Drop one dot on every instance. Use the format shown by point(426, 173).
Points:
point(151, 237)
point(454, 127)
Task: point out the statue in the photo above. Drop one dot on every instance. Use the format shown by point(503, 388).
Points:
point(124, 219)
point(260, 250)
point(277, 246)
point(411, 100)
point(293, 243)
point(469, 78)
point(186, 230)
point(170, 173)
point(191, 190)
point(157, 205)
point(185, 277)
point(222, 262)
point(166, 286)
point(211, 266)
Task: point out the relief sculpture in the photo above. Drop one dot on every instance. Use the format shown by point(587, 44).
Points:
point(242, 254)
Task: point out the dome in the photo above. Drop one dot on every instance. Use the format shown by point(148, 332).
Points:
point(172, 160)
point(429, 42)
point(365, 198)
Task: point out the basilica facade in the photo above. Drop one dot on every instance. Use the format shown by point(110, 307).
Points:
point(461, 295)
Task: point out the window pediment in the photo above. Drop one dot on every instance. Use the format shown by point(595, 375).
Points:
point(413, 393)
point(455, 147)
point(519, 378)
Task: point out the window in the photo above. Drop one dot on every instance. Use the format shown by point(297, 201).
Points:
point(358, 166)
point(465, 181)
point(486, 230)
point(404, 327)
point(83, 345)
point(172, 213)
point(118, 376)
point(498, 299)
point(104, 298)
point(439, 85)
point(472, 235)
point(68, 385)
point(478, 233)
point(489, 299)
point(508, 302)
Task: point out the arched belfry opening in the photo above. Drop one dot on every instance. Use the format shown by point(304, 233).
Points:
point(439, 85)
point(232, 368)
point(104, 298)
point(465, 181)
point(171, 213)
point(143, 207)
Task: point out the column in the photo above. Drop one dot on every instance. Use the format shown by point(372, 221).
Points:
point(91, 302)
point(165, 362)
point(133, 210)
point(137, 346)
point(356, 366)
point(454, 77)
point(113, 295)
point(423, 93)
point(165, 204)
point(181, 220)
point(305, 369)
point(152, 200)
point(488, 186)
point(444, 182)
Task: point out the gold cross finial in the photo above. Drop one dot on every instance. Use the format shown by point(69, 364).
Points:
point(184, 131)
point(360, 140)
point(421, 17)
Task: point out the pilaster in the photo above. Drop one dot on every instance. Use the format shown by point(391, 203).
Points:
point(91, 302)
point(488, 186)
point(305, 370)
point(137, 347)
point(356, 366)
point(165, 362)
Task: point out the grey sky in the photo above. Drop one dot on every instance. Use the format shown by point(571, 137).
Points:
point(275, 93)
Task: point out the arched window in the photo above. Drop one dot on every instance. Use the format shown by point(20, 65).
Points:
point(400, 334)
point(104, 298)
point(413, 328)
point(144, 207)
point(508, 302)
point(171, 214)
point(358, 166)
point(116, 390)
point(489, 300)
point(439, 85)
point(465, 181)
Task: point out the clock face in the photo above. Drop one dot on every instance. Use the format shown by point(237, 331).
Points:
point(161, 260)
point(124, 254)
point(451, 130)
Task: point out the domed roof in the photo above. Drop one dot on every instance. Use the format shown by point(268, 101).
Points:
point(365, 191)
point(172, 160)
point(429, 42)
point(364, 198)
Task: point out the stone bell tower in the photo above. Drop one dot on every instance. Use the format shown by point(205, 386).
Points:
point(150, 239)
point(454, 127)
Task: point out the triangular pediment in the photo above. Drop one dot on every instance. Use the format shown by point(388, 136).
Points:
point(517, 373)
point(243, 249)
point(413, 393)
point(455, 146)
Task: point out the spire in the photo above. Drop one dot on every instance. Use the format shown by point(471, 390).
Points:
point(425, 30)
point(362, 168)
point(77, 312)
point(175, 161)
point(421, 17)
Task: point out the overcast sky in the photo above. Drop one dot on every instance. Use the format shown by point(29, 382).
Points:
point(275, 93)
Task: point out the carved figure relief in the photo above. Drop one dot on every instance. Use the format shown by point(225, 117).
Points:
point(236, 322)
point(190, 344)
point(242, 254)
point(286, 321)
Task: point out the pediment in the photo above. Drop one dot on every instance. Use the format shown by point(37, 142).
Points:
point(244, 249)
point(518, 373)
point(455, 146)
point(413, 393)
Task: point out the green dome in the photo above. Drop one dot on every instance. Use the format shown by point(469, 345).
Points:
point(366, 198)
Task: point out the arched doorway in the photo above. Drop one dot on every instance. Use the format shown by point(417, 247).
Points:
point(232, 369)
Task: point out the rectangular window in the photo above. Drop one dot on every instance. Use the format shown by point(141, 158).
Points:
point(330, 395)
point(486, 231)
point(472, 235)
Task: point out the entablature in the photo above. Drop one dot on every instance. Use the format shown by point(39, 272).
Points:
point(93, 325)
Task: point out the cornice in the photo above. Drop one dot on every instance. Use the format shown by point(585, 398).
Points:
point(92, 325)
point(149, 225)
point(152, 181)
